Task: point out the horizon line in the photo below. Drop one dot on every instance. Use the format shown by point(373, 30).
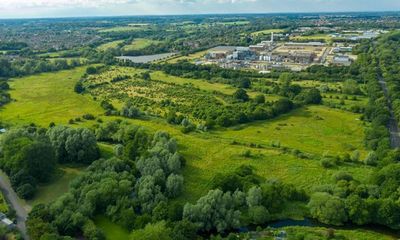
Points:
point(199, 14)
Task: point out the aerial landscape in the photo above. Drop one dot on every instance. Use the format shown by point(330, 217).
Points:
point(181, 120)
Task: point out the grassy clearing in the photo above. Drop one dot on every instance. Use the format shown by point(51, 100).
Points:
point(3, 204)
point(47, 98)
point(59, 186)
point(111, 230)
point(140, 43)
point(267, 32)
point(191, 57)
point(109, 45)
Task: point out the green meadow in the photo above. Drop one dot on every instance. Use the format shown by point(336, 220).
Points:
point(108, 45)
point(313, 130)
point(46, 98)
point(140, 43)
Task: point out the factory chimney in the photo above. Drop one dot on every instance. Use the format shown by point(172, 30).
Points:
point(272, 37)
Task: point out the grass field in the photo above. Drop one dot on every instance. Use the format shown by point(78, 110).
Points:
point(140, 43)
point(47, 98)
point(267, 32)
point(190, 57)
point(111, 230)
point(59, 186)
point(113, 44)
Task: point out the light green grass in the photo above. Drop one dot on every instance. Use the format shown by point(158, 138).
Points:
point(47, 98)
point(140, 43)
point(111, 230)
point(49, 192)
point(267, 32)
point(109, 45)
point(191, 57)
point(3, 204)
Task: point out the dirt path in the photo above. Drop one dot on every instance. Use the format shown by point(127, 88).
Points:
point(392, 125)
point(13, 199)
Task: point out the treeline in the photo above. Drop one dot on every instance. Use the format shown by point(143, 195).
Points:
point(4, 46)
point(29, 155)
point(31, 66)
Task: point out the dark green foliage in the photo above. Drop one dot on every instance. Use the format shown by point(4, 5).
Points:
point(74, 145)
point(309, 96)
point(79, 88)
point(27, 157)
point(129, 110)
point(215, 211)
point(241, 94)
point(328, 209)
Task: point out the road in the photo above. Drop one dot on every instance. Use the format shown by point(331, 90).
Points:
point(13, 199)
point(393, 124)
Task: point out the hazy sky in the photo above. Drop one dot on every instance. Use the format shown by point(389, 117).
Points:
point(65, 8)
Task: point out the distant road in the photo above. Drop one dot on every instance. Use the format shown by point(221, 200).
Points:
point(12, 198)
point(393, 124)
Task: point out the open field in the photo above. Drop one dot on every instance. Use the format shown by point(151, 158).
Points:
point(109, 45)
point(49, 192)
point(47, 98)
point(111, 230)
point(190, 57)
point(267, 32)
point(140, 43)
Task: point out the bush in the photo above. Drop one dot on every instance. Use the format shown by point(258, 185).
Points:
point(26, 191)
point(88, 116)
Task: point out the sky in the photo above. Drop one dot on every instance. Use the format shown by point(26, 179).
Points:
point(77, 8)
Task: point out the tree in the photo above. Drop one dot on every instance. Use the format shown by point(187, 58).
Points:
point(79, 88)
point(260, 99)
point(73, 145)
point(174, 185)
point(254, 197)
point(327, 209)
point(241, 94)
point(309, 96)
point(216, 210)
point(258, 215)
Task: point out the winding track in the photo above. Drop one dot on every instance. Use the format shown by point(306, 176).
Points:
point(393, 124)
point(12, 198)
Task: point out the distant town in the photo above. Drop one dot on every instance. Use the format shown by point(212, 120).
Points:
point(336, 49)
